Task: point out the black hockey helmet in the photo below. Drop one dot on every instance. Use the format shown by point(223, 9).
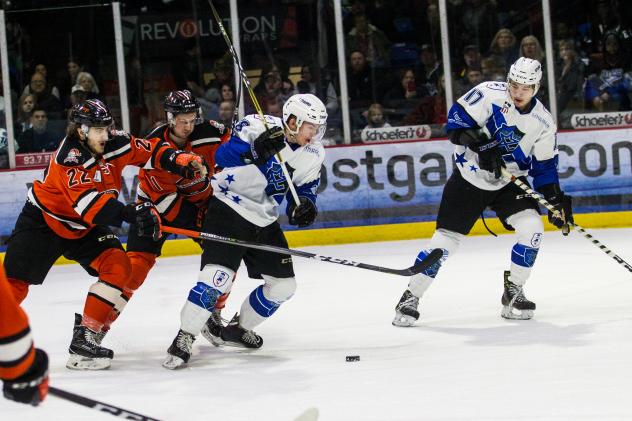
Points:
point(91, 113)
point(181, 102)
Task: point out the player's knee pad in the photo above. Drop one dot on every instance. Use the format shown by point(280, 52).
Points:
point(446, 240)
point(113, 266)
point(213, 281)
point(141, 263)
point(109, 294)
point(266, 298)
point(528, 226)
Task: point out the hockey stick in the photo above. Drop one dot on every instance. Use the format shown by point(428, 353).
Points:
point(99, 406)
point(542, 201)
point(431, 259)
point(255, 102)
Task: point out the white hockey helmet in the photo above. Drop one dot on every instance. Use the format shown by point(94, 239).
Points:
point(526, 71)
point(306, 108)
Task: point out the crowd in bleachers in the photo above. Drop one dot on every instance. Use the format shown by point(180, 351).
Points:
point(393, 59)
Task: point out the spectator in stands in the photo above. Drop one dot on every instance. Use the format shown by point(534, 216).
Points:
point(25, 110)
point(471, 58)
point(227, 93)
point(375, 117)
point(87, 83)
point(406, 94)
point(478, 22)
point(429, 69)
point(185, 68)
point(307, 79)
point(45, 99)
point(226, 112)
point(504, 48)
point(609, 85)
point(431, 109)
point(530, 48)
point(39, 138)
point(370, 41)
point(68, 80)
point(493, 69)
point(223, 71)
point(41, 69)
point(570, 78)
point(473, 76)
point(360, 83)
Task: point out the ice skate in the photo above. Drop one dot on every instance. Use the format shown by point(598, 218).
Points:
point(98, 336)
point(179, 352)
point(406, 313)
point(212, 329)
point(235, 335)
point(86, 353)
point(515, 305)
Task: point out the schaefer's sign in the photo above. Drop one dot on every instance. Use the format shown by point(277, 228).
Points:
point(386, 134)
point(601, 120)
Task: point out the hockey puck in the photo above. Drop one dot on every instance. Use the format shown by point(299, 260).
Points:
point(352, 358)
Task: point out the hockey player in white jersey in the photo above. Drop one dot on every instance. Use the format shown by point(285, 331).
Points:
point(246, 195)
point(497, 125)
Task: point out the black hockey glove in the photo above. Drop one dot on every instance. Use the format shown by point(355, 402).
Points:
point(145, 217)
point(490, 158)
point(268, 144)
point(32, 386)
point(303, 215)
point(562, 203)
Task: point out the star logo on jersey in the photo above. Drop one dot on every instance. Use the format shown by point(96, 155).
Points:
point(509, 137)
point(459, 158)
point(236, 199)
point(473, 168)
point(224, 190)
point(230, 178)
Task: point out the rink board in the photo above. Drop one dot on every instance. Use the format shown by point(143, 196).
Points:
point(392, 191)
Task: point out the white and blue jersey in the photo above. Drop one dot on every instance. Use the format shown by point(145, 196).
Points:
point(255, 192)
point(527, 139)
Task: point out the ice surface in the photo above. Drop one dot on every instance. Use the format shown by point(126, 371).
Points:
point(462, 361)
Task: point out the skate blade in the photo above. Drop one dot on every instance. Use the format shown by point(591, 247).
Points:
point(214, 340)
point(239, 345)
point(172, 362)
point(402, 320)
point(509, 313)
point(79, 362)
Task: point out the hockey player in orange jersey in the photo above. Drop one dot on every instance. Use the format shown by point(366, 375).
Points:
point(68, 213)
point(181, 201)
point(23, 368)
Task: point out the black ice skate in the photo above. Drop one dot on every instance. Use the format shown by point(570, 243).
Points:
point(98, 336)
point(235, 335)
point(212, 329)
point(179, 352)
point(86, 353)
point(406, 313)
point(513, 299)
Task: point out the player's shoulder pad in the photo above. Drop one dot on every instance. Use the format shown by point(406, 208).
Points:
point(493, 89)
point(72, 153)
point(315, 148)
point(208, 129)
point(118, 139)
point(158, 131)
point(542, 115)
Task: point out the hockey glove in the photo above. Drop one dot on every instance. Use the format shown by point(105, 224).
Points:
point(186, 164)
point(146, 218)
point(303, 215)
point(490, 158)
point(268, 144)
point(562, 203)
point(32, 386)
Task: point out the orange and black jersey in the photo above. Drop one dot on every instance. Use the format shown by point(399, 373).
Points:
point(16, 344)
point(80, 190)
point(167, 190)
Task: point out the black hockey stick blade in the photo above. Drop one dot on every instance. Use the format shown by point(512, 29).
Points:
point(430, 260)
point(99, 406)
